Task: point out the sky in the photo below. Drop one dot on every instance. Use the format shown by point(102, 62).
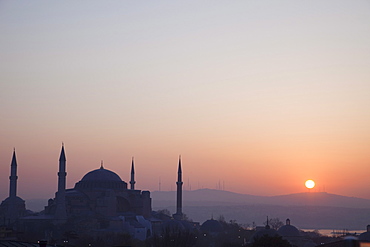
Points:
point(256, 96)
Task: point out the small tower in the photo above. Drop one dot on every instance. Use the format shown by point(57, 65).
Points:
point(267, 223)
point(287, 222)
point(179, 183)
point(132, 181)
point(12, 207)
point(61, 213)
point(13, 177)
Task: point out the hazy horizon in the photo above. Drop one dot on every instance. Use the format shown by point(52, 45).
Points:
point(256, 96)
point(306, 210)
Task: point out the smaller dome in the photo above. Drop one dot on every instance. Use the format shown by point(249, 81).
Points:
point(288, 230)
point(16, 200)
point(211, 226)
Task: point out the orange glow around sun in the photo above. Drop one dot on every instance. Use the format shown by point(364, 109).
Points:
point(309, 184)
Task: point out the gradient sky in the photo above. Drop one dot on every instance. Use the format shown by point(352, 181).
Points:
point(256, 95)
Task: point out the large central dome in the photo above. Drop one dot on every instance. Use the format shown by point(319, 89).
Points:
point(101, 179)
point(101, 175)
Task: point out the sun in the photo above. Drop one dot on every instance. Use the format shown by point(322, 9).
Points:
point(309, 184)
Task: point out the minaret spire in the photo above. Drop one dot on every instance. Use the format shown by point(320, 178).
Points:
point(132, 181)
point(179, 184)
point(267, 223)
point(16, 206)
point(13, 177)
point(61, 213)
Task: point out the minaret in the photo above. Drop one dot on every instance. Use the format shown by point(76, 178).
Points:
point(13, 177)
point(178, 215)
point(267, 223)
point(12, 214)
point(132, 181)
point(61, 213)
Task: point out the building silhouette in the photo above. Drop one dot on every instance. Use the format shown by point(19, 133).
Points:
point(100, 203)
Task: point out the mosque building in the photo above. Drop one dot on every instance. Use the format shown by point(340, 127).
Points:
point(100, 191)
point(99, 203)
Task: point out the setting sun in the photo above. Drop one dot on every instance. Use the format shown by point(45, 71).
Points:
point(309, 184)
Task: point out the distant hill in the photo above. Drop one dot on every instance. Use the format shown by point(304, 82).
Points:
point(311, 210)
point(203, 197)
point(320, 199)
point(213, 197)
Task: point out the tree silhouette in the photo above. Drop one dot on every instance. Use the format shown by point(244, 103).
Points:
point(274, 223)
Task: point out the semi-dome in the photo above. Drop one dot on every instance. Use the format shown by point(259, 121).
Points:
point(288, 230)
point(101, 179)
point(101, 175)
point(16, 200)
point(211, 226)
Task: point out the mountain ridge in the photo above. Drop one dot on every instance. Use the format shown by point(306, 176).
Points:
point(206, 196)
